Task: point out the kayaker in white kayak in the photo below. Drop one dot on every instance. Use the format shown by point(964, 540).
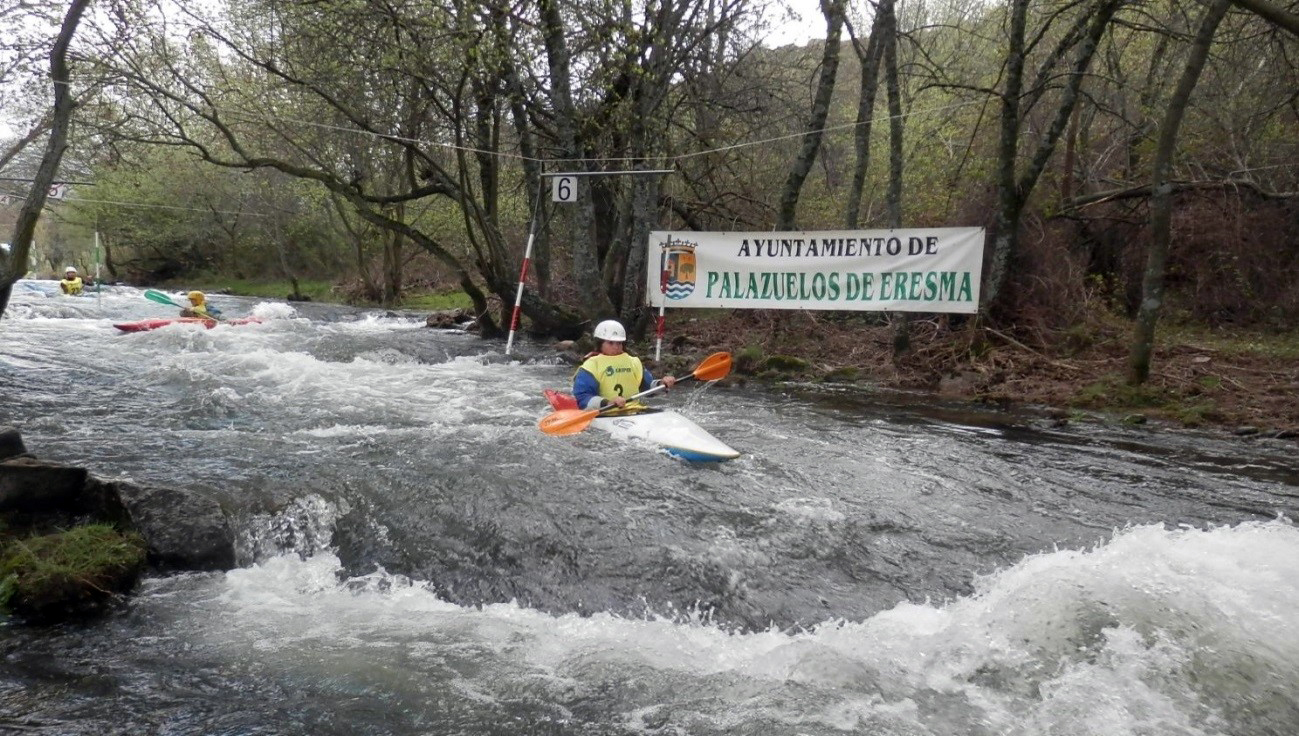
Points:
point(71, 283)
point(609, 375)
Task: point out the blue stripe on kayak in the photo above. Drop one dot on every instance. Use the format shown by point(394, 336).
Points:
point(695, 457)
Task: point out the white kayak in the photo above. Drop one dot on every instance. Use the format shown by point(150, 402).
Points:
point(673, 432)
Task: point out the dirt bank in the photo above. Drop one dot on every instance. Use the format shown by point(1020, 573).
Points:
point(1200, 376)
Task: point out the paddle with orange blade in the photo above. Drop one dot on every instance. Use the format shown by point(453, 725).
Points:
point(572, 421)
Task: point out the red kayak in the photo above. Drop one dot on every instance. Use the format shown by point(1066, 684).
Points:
point(152, 324)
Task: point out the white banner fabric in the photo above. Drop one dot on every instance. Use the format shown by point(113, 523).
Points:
point(910, 270)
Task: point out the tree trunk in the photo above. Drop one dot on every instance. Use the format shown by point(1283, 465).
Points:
point(645, 191)
point(108, 258)
point(1013, 191)
point(1008, 200)
point(834, 16)
point(1152, 283)
point(392, 262)
point(1067, 168)
point(1149, 93)
point(870, 70)
point(533, 182)
point(14, 264)
point(280, 251)
point(586, 263)
point(901, 320)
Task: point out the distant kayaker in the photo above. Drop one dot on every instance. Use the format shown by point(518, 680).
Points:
point(607, 377)
point(71, 283)
point(198, 306)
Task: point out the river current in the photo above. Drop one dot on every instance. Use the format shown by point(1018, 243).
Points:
point(417, 558)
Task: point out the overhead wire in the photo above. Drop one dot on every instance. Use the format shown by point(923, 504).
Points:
point(611, 159)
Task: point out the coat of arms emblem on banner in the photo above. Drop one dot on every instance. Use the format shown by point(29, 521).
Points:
point(677, 264)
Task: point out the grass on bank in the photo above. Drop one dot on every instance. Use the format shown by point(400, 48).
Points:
point(81, 565)
point(317, 291)
point(437, 300)
point(1232, 341)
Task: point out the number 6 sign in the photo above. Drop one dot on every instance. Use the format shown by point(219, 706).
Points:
point(564, 189)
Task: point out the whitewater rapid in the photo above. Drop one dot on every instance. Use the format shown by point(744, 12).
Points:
point(416, 558)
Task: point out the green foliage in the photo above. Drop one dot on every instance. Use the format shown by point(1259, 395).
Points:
point(437, 300)
point(1113, 392)
point(1195, 414)
point(162, 213)
point(318, 291)
point(8, 587)
point(72, 566)
point(748, 359)
point(1231, 342)
point(1077, 338)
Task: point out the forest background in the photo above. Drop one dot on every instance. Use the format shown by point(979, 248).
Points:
point(1135, 164)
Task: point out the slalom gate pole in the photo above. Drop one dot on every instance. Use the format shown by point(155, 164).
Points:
point(99, 288)
point(518, 295)
point(527, 259)
point(663, 303)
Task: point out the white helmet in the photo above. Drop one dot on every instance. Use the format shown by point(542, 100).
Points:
point(69, 269)
point(610, 329)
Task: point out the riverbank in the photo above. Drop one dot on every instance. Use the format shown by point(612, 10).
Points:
point(1245, 381)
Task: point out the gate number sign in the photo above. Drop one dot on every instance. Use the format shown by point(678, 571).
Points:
point(564, 189)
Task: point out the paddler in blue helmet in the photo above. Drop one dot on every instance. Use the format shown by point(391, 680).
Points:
point(608, 376)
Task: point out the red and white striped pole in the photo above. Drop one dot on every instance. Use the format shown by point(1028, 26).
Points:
point(518, 296)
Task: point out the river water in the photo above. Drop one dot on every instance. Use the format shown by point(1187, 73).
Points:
point(417, 558)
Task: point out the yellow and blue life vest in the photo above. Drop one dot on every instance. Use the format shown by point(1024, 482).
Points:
point(615, 375)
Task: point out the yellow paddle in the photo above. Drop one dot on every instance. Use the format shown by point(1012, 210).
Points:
point(572, 421)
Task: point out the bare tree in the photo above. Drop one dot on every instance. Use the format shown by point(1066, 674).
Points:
point(1015, 186)
point(835, 13)
point(869, 56)
point(14, 263)
point(1274, 13)
point(1152, 285)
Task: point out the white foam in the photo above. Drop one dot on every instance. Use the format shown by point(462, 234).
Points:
point(814, 510)
point(1156, 631)
point(273, 310)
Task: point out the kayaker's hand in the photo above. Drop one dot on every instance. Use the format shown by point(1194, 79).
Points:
point(669, 381)
point(618, 401)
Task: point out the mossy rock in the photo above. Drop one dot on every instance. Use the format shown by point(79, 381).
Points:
point(748, 360)
point(785, 364)
point(71, 574)
point(843, 374)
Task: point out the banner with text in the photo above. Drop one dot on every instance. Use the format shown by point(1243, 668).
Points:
point(912, 270)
